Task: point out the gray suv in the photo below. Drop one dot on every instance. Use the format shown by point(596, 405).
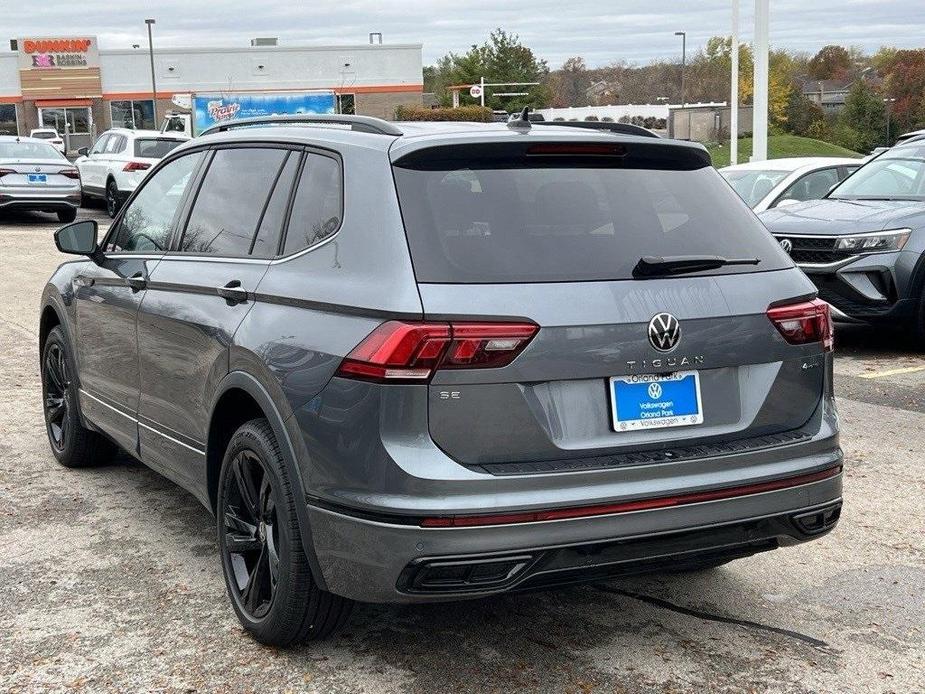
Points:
point(422, 362)
point(863, 245)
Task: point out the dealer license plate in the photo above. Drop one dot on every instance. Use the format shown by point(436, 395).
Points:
point(652, 401)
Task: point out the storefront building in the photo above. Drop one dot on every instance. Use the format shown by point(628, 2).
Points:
point(69, 83)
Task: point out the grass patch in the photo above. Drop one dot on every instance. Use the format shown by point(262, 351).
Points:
point(781, 146)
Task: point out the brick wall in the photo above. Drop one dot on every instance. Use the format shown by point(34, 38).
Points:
point(383, 104)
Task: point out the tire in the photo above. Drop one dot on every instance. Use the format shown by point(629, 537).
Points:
point(72, 444)
point(258, 530)
point(112, 198)
point(918, 330)
point(67, 216)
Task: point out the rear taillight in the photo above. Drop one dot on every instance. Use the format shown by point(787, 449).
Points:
point(69, 173)
point(4, 172)
point(398, 351)
point(136, 166)
point(805, 323)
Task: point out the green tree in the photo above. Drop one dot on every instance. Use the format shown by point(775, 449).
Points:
point(502, 58)
point(864, 114)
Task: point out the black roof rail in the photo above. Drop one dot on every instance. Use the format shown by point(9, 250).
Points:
point(363, 124)
point(622, 128)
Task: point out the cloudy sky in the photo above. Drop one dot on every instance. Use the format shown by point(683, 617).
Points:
point(602, 31)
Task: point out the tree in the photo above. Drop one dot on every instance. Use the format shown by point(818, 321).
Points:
point(568, 86)
point(864, 114)
point(502, 58)
point(905, 81)
point(830, 63)
point(804, 116)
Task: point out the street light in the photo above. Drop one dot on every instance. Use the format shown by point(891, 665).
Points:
point(683, 36)
point(150, 22)
point(888, 100)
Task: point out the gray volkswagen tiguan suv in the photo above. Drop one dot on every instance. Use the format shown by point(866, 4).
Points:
point(422, 362)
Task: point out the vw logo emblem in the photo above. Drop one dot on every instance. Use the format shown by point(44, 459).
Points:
point(664, 332)
point(37, 169)
point(787, 245)
point(655, 391)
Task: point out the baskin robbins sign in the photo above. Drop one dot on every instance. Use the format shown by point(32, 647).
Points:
point(50, 53)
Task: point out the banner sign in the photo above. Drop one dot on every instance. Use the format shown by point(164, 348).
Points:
point(209, 109)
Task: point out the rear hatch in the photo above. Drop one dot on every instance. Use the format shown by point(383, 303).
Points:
point(148, 151)
point(533, 232)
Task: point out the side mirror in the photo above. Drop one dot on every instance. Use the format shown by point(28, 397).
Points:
point(83, 151)
point(78, 238)
point(787, 201)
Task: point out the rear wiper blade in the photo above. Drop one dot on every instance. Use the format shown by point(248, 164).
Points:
point(658, 266)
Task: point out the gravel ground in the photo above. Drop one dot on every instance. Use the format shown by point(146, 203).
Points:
point(111, 579)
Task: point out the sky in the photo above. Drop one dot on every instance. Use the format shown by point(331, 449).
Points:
point(601, 31)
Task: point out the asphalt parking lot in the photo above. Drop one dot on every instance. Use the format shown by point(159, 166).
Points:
point(111, 579)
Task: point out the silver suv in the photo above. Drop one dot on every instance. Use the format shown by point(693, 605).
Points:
point(424, 362)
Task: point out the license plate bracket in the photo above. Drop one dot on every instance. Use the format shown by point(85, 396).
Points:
point(655, 401)
point(38, 178)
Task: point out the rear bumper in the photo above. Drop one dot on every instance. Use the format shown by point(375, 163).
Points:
point(372, 560)
point(47, 202)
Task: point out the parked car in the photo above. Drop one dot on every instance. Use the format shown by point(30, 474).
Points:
point(864, 244)
point(767, 184)
point(424, 362)
point(911, 135)
point(51, 136)
point(36, 176)
point(119, 160)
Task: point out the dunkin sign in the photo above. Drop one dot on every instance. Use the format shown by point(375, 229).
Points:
point(58, 52)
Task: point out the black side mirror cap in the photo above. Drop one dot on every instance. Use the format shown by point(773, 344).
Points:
point(78, 238)
point(83, 151)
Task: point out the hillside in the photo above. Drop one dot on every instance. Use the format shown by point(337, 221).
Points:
point(781, 146)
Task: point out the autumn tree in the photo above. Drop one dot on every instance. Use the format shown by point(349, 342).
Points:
point(904, 81)
point(862, 122)
point(568, 86)
point(830, 63)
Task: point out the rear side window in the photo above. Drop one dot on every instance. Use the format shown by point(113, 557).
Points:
point(230, 201)
point(155, 148)
point(266, 242)
point(545, 220)
point(318, 204)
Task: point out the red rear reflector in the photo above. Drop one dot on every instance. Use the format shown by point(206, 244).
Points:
point(628, 506)
point(136, 166)
point(412, 352)
point(585, 149)
point(805, 323)
point(69, 173)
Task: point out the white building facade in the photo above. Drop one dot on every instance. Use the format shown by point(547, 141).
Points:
point(53, 81)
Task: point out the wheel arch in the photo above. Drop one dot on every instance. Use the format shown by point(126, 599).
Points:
point(239, 398)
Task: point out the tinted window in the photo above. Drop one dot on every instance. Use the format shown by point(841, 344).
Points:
point(517, 221)
point(148, 220)
point(114, 144)
point(317, 206)
point(229, 202)
point(100, 144)
point(44, 135)
point(152, 148)
point(266, 242)
point(812, 186)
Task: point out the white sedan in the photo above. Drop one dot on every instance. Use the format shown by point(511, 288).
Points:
point(766, 184)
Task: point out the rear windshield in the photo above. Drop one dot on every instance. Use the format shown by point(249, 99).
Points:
point(28, 150)
point(44, 135)
point(518, 221)
point(155, 148)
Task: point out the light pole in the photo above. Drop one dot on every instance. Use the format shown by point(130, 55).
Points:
point(888, 100)
point(150, 22)
point(683, 36)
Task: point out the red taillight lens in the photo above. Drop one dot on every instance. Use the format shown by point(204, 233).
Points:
point(69, 173)
point(397, 351)
point(806, 322)
point(136, 166)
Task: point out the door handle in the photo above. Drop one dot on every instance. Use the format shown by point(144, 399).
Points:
point(233, 292)
point(137, 282)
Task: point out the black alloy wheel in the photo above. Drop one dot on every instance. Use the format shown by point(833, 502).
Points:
point(112, 198)
point(57, 397)
point(251, 534)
